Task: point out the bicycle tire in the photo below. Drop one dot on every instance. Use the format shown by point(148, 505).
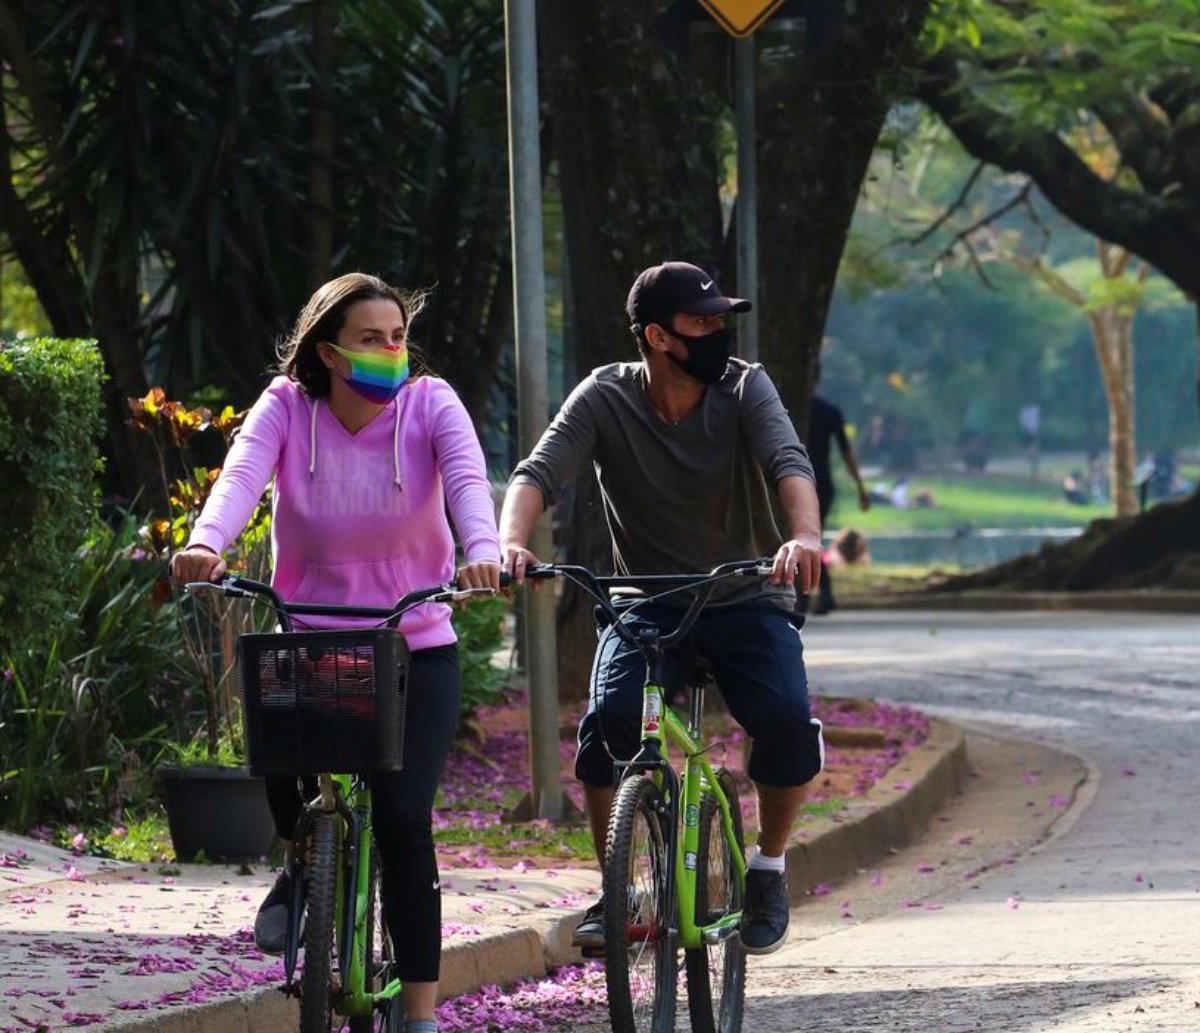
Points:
point(320, 873)
point(638, 914)
point(716, 973)
point(381, 963)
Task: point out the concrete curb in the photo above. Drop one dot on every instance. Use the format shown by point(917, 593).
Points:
point(889, 816)
point(1133, 601)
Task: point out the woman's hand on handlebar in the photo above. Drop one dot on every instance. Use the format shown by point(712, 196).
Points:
point(484, 574)
point(196, 563)
point(798, 562)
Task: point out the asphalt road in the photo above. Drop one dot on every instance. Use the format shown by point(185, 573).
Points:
point(1062, 890)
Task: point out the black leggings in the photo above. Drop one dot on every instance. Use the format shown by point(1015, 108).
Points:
point(402, 804)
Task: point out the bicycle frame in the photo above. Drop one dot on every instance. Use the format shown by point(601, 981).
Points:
point(351, 904)
point(660, 726)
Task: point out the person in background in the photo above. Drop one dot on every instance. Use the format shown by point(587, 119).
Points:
point(371, 465)
point(826, 425)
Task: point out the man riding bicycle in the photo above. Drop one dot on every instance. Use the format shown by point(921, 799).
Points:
point(686, 444)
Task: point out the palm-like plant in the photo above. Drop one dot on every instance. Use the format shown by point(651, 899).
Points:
point(177, 184)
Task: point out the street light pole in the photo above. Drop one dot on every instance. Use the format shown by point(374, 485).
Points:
point(529, 294)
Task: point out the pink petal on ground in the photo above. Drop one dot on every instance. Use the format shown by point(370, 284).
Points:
point(820, 890)
point(902, 787)
point(1139, 877)
point(877, 879)
point(925, 869)
point(933, 907)
point(1030, 777)
point(1128, 772)
point(1012, 903)
point(964, 841)
point(1058, 801)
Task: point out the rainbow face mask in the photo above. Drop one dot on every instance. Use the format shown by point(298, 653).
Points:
point(378, 374)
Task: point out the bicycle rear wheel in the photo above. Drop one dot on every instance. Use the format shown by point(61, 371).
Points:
point(381, 964)
point(320, 853)
point(640, 957)
point(716, 972)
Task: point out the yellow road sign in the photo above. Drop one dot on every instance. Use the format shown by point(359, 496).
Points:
point(741, 17)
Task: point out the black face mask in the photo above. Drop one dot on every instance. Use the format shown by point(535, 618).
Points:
point(708, 354)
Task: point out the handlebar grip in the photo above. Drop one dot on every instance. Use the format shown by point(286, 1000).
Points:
point(541, 572)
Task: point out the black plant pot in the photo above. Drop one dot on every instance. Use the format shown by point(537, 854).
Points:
point(220, 812)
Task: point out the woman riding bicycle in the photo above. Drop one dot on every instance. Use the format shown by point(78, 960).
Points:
point(366, 460)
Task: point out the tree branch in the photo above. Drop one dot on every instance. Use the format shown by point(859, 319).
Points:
point(1164, 231)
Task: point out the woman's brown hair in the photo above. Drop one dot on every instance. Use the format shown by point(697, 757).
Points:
point(322, 319)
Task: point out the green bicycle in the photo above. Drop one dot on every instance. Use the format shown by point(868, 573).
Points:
point(675, 867)
point(332, 702)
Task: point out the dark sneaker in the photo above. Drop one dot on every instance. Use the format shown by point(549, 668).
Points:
point(589, 934)
point(765, 915)
point(271, 922)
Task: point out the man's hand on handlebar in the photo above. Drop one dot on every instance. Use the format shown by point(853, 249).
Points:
point(484, 574)
point(798, 562)
point(515, 560)
point(196, 563)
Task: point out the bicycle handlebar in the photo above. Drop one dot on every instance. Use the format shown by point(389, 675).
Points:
point(598, 585)
point(242, 587)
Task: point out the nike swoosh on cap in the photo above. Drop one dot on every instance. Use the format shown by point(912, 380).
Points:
point(705, 286)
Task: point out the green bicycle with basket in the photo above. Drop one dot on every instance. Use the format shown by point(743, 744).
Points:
point(329, 706)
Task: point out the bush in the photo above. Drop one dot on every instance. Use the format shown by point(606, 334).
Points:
point(83, 713)
point(480, 629)
point(50, 421)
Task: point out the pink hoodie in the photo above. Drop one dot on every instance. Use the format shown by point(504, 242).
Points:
point(359, 519)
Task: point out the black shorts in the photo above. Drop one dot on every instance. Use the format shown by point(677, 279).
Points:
point(758, 661)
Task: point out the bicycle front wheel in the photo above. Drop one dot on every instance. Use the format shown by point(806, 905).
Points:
point(320, 852)
point(716, 972)
point(640, 956)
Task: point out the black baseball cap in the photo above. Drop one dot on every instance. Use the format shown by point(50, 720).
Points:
point(662, 290)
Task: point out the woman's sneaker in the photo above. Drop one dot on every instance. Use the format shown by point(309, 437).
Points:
point(271, 922)
point(589, 934)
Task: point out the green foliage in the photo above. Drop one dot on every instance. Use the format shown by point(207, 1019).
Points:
point(144, 839)
point(195, 138)
point(82, 710)
point(480, 629)
point(49, 425)
point(208, 623)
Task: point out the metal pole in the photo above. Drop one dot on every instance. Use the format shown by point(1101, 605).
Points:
point(747, 195)
point(529, 293)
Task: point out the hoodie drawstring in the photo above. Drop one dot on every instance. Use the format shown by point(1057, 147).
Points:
point(312, 443)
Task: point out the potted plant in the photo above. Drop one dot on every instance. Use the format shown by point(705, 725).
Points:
point(215, 808)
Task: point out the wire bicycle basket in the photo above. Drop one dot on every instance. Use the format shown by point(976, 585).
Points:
point(324, 700)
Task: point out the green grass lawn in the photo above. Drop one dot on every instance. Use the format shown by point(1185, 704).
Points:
point(987, 500)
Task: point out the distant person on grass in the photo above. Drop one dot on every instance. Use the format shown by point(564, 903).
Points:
point(689, 444)
point(826, 425)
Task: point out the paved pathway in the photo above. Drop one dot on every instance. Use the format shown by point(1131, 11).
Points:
point(1061, 891)
point(1099, 930)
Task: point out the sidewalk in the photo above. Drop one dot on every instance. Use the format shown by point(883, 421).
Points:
point(93, 945)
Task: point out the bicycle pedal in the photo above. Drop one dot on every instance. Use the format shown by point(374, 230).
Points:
point(592, 952)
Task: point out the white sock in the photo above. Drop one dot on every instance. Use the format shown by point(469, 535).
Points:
point(760, 862)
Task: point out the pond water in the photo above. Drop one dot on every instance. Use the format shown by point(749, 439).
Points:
point(968, 547)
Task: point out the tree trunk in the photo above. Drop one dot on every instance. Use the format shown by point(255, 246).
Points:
point(1112, 334)
point(635, 141)
point(822, 101)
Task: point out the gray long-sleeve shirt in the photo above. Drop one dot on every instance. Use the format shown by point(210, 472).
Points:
point(678, 498)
